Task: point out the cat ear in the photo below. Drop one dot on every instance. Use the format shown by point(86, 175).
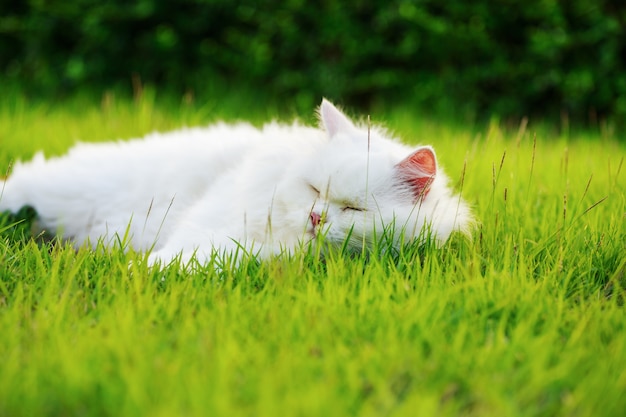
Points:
point(333, 120)
point(418, 171)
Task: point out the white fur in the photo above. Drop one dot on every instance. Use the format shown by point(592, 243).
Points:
point(228, 186)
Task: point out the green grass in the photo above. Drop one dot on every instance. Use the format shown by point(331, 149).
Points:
point(527, 319)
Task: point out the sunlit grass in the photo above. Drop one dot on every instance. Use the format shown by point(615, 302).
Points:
point(526, 319)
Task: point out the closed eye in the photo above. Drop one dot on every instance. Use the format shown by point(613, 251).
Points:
point(351, 208)
point(314, 189)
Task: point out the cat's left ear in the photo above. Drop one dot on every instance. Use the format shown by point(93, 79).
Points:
point(418, 171)
point(333, 120)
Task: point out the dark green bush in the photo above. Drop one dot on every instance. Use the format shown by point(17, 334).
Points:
point(507, 57)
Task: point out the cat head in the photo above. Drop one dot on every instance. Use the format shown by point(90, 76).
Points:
point(366, 186)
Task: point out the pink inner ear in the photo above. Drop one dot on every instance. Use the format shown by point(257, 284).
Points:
point(419, 170)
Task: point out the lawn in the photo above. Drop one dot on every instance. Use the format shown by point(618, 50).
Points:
point(526, 319)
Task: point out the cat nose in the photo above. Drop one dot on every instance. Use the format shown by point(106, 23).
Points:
point(316, 219)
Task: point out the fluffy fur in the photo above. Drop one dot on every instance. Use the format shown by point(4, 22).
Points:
point(223, 187)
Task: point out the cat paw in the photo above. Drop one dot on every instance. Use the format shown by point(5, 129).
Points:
point(159, 259)
point(163, 258)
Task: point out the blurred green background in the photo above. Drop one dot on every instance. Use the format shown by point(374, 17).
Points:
point(505, 57)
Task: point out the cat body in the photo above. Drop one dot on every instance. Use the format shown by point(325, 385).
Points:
point(227, 187)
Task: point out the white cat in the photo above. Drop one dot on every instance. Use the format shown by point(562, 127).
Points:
point(226, 187)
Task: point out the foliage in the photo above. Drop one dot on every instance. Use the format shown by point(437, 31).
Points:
point(525, 319)
point(509, 57)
